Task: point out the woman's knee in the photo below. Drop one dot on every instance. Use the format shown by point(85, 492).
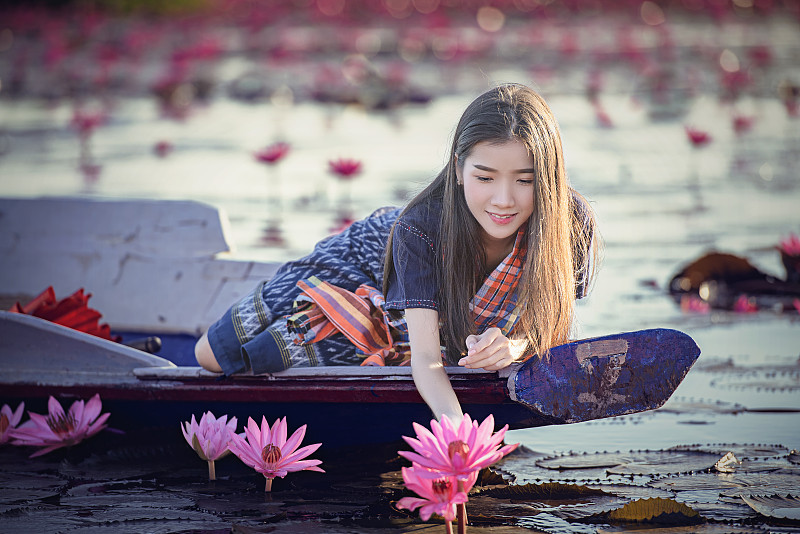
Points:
point(205, 356)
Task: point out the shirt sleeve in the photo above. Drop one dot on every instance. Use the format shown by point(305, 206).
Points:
point(412, 282)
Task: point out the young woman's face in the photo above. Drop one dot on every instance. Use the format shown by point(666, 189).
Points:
point(498, 187)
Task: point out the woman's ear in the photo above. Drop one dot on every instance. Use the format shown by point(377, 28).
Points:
point(459, 177)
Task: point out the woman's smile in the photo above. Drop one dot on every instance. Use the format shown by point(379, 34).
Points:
point(501, 219)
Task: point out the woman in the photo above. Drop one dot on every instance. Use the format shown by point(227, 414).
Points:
point(481, 269)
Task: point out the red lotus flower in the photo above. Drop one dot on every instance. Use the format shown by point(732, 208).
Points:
point(745, 305)
point(162, 148)
point(85, 123)
point(345, 169)
point(72, 312)
point(9, 421)
point(761, 56)
point(790, 246)
point(603, 118)
point(269, 452)
point(694, 304)
point(438, 496)
point(58, 428)
point(273, 153)
point(698, 138)
point(742, 124)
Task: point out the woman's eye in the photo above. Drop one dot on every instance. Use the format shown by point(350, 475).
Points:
point(483, 178)
point(526, 182)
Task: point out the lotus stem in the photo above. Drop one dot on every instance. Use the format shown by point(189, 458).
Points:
point(212, 470)
point(448, 527)
point(268, 486)
point(462, 512)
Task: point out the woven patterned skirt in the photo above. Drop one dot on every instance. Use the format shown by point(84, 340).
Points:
point(252, 335)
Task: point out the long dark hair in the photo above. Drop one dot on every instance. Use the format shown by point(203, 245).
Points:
point(559, 231)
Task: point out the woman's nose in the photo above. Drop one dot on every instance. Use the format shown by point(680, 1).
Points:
point(503, 195)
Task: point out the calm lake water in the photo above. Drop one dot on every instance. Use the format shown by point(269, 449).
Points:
point(660, 203)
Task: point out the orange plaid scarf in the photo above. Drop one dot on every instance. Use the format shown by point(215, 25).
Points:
point(323, 309)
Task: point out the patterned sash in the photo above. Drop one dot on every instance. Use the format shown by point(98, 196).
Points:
point(323, 309)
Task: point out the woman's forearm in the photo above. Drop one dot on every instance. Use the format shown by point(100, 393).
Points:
point(434, 386)
point(427, 368)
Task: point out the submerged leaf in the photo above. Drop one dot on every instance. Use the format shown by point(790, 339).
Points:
point(655, 510)
point(546, 491)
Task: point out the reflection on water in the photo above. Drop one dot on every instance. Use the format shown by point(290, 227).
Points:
point(625, 99)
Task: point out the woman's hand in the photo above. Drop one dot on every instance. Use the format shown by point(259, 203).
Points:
point(491, 351)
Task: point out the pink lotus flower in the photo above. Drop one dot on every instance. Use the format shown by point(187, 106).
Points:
point(342, 223)
point(85, 122)
point(60, 429)
point(269, 452)
point(790, 246)
point(210, 438)
point(694, 304)
point(745, 305)
point(273, 153)
point(345, 169)
point(438, 496)
point(796, 304)
point(9, 421)
point(698, 138)
point(742, 124)
point(162, 148)
point(457, 451)
point(603, 118)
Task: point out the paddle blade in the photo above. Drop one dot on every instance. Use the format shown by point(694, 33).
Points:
point(605, 376)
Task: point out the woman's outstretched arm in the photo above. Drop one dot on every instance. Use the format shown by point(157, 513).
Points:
point(427, 367)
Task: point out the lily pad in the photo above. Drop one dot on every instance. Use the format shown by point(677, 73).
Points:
point(543, 492)
point(632, 492)
point(546, 522)
point(646, 463)
point(763, 484)
point(495, 510)
point(784, 379)
point(743, 451)
point(691, 405)
point(777, 506)
point(722, 511)
point(659, 463)
point(696, 482)
point(39, 519)
point(150, 499)
point(157, 525)
point(598, 460)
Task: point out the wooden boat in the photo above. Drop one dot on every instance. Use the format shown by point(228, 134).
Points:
point(584, 380)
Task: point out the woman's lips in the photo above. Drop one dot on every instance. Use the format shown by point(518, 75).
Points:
point(501, 219)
